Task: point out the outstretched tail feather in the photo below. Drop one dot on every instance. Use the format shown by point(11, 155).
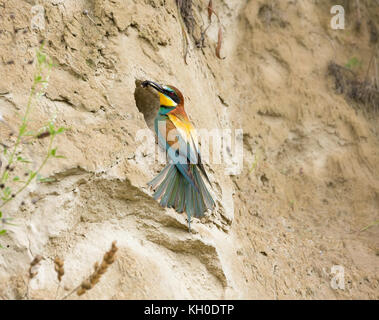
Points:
point(162, 187)
point(196, 196)
point(169, 189)
point(209, 203)
point(188, 203)
point(159, 178)
point(181, 200)
point(174, 191)
point(160, 190)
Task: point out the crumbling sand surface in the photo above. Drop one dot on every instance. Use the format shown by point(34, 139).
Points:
point(310, 178)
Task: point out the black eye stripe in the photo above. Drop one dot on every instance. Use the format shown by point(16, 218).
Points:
point(172, 95)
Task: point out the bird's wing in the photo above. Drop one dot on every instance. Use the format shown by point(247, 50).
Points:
point(199, 162)
point(163, 127)
point(189, 134)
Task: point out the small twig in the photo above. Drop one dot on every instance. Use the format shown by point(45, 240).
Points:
point(85, 12)
point(219, 35)
point(211, 10)
point(370, 225)
point(71, 292)
point(56, 293)
point(185, 44)
point(200, 42)
point(210, 6)
point(219, 41)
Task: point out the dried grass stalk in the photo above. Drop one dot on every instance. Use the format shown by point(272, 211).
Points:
point(210, 10)
point(59, 268)
point(34, 265)
point(219, 42)
point(99, 270)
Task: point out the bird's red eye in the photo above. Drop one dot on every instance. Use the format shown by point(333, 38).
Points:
point(172, 95)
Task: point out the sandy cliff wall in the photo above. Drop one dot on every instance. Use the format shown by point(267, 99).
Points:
point(310, 170)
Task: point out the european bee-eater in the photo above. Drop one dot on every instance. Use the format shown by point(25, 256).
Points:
point(180, 184)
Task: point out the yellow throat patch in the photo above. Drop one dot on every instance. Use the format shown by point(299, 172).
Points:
point(166, 101)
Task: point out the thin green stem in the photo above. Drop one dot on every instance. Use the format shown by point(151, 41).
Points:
point(36, 80)
point(369, 226)
point(34, 174)
point(20, 133)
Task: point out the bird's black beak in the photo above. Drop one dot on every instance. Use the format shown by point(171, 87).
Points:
point(152, 84)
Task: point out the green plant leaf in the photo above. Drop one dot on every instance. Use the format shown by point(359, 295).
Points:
point(46, 180)
point(2, 232)
point(37, 79)
point(7, 191)
point(370, 225)
point(21, 159)
point(22, 129)
point(41, 57)
point(29, 133)
point(51, 128)
point(60, 130)
point(352, 63)
point(6, 221)
point(42, 179)
point(6, 176)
